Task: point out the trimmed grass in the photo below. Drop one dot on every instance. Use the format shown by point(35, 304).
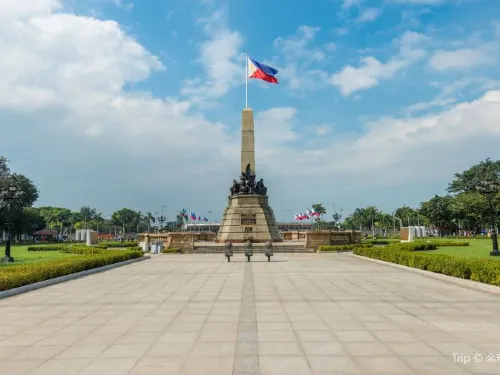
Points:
point(21, 255)
point(478, 249)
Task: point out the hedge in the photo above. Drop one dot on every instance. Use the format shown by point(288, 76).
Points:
point(170, 250)
point(24, 274)
point(449, 243)
point(46, 248)
point(106, 245)
point(382, 242)
point(413, 246)
point(482, 270)
point(346, 247)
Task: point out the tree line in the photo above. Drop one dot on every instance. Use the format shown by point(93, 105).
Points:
point(472, 203)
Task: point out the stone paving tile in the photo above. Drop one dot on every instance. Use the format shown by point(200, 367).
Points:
point(313, 314)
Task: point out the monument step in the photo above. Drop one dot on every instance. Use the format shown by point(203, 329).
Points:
point(256, 250)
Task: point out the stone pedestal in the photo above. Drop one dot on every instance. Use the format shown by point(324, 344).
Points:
point(248, 217)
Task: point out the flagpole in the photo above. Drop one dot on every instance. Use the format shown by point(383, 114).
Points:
point(246, 81)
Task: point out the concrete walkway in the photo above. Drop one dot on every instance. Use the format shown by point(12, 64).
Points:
point(300, 314)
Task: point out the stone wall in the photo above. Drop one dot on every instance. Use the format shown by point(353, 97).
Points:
point(294, 235)
point(181, 240)
point(325, 237)
point(205, 236)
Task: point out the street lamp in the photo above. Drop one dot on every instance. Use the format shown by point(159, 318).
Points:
point(9, 194)
point(209, 215)
point(162, 219)
point(489, 189)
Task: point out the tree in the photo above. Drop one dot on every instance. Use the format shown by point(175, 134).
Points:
point(87, 214)
point(150, 219)
point(439, 212)
point(97, 220)
point(14, 212)
point(469, 210)
point(407, 215)
point(472, 178)
point(124, 218)
point(484, 179)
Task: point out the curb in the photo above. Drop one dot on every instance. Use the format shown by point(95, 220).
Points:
point(465, 283)
point(57, 280)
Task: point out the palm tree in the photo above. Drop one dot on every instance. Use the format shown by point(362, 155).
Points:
point(150, 219)
point(320, 209)
point(97, 219)
point(87, 214)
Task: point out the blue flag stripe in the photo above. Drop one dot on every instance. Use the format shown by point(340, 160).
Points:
point(265, 68)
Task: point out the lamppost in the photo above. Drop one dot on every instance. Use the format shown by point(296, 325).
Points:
point(161, 219)
point(9, 194)
point(489, 189)
point(209, 214)
point(337, 216)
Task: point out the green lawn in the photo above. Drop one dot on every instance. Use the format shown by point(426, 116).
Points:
point(21, 255)
point(479, 248)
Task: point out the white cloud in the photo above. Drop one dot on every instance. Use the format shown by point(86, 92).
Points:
point(128, 6)
point(298, 46)
point(369, 15)
point(322, 130)
point(465, 58)
point(472, 52)
point(350, 3)
point(422, 2)
point(221, 60)
point(371, 71)
point(301, 59)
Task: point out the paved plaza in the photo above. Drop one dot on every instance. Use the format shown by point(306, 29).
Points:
point(300, 314)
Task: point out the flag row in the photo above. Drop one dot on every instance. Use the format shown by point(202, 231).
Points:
point(306, 215)
point(192, 216)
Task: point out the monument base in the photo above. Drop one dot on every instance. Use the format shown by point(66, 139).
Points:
point(248, 218)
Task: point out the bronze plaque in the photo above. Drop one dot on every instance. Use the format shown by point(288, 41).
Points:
point(248, 219)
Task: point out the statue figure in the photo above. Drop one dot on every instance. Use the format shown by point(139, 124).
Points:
point(260, 188)
point(248, 250)
point(229, 251)
point(235, 187)
point(269, 250)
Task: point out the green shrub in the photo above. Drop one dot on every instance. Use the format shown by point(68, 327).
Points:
point(347, 247)
point(388, 241)
point(413, 246)
point(83, 250)
point(24, 274)
point(450, 243)
point(46, 248)
point(109, 244)
point(482, 270)
point(169, 250)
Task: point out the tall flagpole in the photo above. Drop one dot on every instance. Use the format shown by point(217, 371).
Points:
point(246, 82)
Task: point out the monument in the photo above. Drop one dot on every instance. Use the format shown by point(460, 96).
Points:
point(248, 216)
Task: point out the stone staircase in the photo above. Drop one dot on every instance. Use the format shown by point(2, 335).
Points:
point(258, 248)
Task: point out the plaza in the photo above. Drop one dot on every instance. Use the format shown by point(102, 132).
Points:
point(299, 314)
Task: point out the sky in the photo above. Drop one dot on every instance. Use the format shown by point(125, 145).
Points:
point(137, 103)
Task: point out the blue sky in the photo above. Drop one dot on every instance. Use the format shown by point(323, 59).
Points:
point(117, 103)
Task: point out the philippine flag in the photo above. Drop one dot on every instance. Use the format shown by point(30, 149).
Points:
point(261, 71)
point(193, 216)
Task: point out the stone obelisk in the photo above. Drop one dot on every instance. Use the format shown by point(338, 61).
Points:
point(248, 215)
point(247, 141)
